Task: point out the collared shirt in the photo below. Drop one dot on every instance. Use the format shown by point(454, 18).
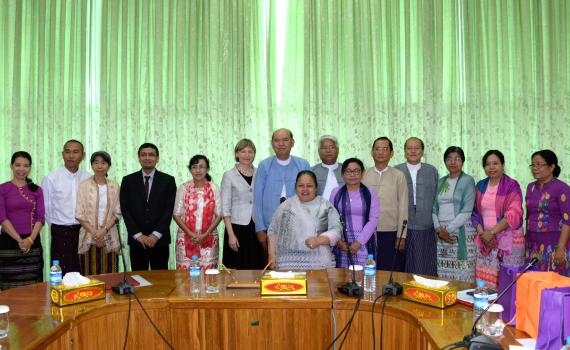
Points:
point(413, 169)
point(331, 183)
point(60, 195)
point(149, 180)
point(380, 172)
point(283, 163)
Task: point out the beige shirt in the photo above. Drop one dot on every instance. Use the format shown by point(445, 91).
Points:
point(392, 191)
point(87, 209)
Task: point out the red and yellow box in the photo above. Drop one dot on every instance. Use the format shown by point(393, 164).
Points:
point(294, 285)
point(439, 297)
point(62, 296)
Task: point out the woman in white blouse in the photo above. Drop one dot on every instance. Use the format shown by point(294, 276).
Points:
point(242, 250)
point(98, 210)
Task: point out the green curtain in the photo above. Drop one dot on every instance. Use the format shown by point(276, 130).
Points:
point(517, 81)
point(196, 76)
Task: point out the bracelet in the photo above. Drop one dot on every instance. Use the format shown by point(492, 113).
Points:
point(31, 240)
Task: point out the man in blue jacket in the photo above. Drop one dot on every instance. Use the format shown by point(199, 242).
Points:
point(275, 181)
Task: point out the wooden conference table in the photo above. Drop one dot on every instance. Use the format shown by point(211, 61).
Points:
point(232, 319)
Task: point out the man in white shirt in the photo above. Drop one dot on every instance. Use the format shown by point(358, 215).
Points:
point(60, 193)
point(328, 172)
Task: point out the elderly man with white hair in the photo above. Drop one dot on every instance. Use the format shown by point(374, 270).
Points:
point(328, 172)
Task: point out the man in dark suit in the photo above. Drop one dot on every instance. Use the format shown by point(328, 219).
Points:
point(147, 202)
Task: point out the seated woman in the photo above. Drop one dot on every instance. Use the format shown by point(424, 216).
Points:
point(98, 211)
point(359, 209)
point(197, 211)
point(497, 216)
point(22, 216)
point(303, 229)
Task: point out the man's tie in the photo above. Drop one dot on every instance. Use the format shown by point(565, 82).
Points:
point(146, 187)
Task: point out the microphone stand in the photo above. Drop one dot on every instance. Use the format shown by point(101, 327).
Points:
point(124, 287)
point(350, 288)
point(393, 287)
point(476, 340)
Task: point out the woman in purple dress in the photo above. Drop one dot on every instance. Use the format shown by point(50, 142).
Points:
point(547, 215)
point(22, 216)
point(359, 209)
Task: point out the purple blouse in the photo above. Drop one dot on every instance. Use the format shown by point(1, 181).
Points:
point(21, 206)
point(547, 208)
point(361, 231)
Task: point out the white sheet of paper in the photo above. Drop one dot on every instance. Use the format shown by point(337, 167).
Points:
point(143, 282)
point(528, 343)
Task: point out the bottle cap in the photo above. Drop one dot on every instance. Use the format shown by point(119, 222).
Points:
point(496, 308)
point(55, 262)
point(480, 283)
point(355, 267)
point(194, 257)
point(4, 309)
point(370, 256)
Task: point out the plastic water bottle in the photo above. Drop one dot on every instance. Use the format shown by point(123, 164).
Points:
point(195, 275)
point(370, 275)
point(55, 274)
point(480, 302)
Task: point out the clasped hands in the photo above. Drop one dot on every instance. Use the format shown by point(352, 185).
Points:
point(99, 237)
point(488, 238)
point(197, 237)
point(354, 247)
point(25, 245)
point(147, 241)
point(445, 236)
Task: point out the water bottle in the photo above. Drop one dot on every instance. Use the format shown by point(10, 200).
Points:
point(195, 275)
point(480, 302)
point(55, 274)
point(370, 275)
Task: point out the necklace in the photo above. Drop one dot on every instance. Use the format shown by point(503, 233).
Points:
point(247, 171)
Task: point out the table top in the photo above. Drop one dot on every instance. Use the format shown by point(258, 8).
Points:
point(34, 319)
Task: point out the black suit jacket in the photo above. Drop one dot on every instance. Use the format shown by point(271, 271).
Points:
point(154, 215)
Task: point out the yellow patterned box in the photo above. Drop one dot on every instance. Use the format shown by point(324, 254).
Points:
point(439, 297)
point(62, 296)
point(286, 283)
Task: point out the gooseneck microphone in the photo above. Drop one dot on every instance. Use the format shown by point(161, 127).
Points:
point(351, 288)
point(392, 287)
point(476, 340)
point(123, 287)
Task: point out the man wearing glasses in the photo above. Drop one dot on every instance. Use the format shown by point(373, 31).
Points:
point(147, 202)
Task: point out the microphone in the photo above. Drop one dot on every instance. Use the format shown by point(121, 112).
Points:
point(123, 287)
point(392, 287)
point(480, 341)
point(350, 288)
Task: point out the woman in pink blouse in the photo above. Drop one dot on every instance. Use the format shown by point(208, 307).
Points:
point(22, 216)
point(497, 215)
